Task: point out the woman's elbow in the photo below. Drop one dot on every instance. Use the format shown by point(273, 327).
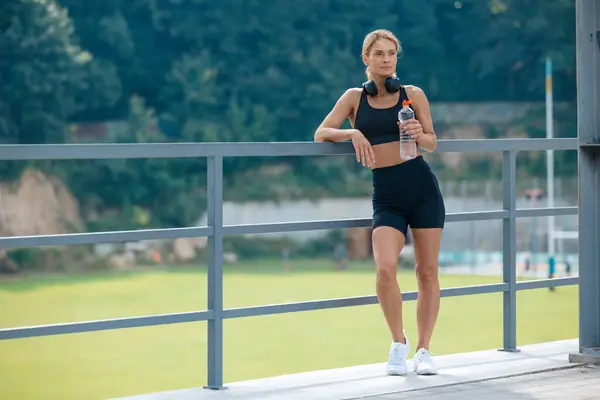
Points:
point(321, 135)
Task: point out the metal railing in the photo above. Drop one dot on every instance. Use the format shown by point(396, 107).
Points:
point(216, 231)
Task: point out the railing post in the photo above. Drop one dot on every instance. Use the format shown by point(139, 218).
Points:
point(509, 251)
point(215, 272)
point(588, 118)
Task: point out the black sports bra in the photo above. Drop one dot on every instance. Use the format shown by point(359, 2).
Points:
point(379, 125)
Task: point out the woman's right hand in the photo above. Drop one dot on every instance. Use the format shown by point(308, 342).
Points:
point(364, 153)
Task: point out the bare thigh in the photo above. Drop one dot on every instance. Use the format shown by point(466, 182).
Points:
point(426, 244)
point(387, 245)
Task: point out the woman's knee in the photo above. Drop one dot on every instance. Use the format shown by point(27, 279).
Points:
point(387, 245)
point(427, 273)
point(386, 272)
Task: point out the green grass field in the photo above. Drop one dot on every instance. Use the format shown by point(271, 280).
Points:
point(107, 364)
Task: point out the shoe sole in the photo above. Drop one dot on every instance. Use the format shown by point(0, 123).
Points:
point(394, 372)
point(426, 372)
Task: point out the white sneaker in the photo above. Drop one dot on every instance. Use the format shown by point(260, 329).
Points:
point(423, 363)
point(397, 359)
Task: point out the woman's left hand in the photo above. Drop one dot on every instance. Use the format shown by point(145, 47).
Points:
point(412, 127)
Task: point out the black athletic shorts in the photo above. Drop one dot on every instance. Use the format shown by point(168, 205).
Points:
point(407, 194)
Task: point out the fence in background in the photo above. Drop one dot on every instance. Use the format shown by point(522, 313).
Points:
point(215, 231)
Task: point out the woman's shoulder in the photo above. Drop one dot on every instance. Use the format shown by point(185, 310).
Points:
point(413, 90)
point(417, 95)
point(353, 92)
point(350, 97)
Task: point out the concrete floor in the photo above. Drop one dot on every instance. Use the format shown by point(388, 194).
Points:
point(540, 371)
point(575, 383)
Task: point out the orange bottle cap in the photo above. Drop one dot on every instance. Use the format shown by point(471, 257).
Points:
point(406, 102)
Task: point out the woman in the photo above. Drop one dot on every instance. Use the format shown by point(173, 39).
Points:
point(405, 193)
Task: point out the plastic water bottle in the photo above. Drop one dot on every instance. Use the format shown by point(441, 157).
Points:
point(408, 146)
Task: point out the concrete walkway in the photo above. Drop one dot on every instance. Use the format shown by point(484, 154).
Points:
point(574, 383)
point(538, 371)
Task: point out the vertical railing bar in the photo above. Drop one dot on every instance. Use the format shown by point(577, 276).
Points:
point(215, 272)
point(588, 132)
point(509, 251)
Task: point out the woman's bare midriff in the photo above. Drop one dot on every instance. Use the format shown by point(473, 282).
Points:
point(387, 154)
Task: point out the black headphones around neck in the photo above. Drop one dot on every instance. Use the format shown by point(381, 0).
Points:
point(392, 85)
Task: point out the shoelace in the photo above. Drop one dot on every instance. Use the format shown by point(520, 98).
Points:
point(397, 352)
point(426, 356)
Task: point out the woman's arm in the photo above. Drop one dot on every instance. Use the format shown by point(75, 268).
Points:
point(427, 140)
point(329, 130)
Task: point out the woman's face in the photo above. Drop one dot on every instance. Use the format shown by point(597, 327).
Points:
point(382, 58)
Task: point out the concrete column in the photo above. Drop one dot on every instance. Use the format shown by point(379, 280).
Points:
point(588, 114)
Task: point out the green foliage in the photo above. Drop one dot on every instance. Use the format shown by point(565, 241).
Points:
point(45, 74)
point(322, 246)
point(74, 258)
point(248, 248)
point(260, 247)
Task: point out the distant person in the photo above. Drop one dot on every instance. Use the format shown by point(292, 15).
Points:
point(339, 257)
point(285, 255)
point(567, 267)
point(551, 270)
point(405, 193)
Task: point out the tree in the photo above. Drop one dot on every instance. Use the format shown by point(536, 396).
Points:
point(44, 72)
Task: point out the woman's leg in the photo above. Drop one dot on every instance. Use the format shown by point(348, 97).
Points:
point(426, 244)
point(387, 244)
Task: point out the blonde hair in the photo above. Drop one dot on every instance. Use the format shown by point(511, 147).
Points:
point(373, 37)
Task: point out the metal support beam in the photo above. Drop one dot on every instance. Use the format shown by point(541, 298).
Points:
point(110, 151)
point(588, 115)
point(509, 251)
point(215, 273)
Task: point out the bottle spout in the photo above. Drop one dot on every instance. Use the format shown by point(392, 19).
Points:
point(405, 103)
